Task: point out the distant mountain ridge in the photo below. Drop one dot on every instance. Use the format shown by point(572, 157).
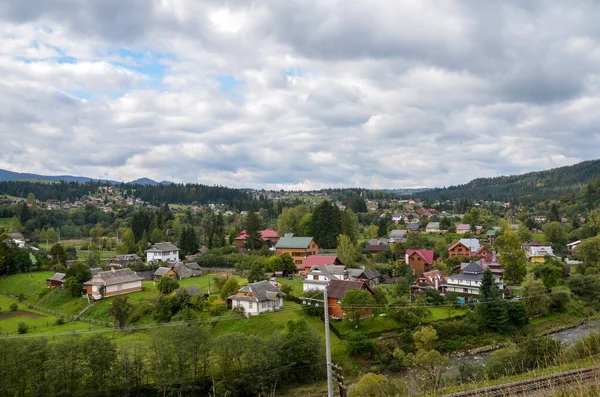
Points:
point(6, 175)
point(534, 186)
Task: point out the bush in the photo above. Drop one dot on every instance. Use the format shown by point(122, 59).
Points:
point(358, 343)
point(184, 315)
point(13, 307)
point(559, 301)
point(166, 285)
point(59, 321)
point(22, 328)
point(217, 308)
point(140, 311)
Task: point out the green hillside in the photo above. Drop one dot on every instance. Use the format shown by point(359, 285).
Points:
point(532, 186)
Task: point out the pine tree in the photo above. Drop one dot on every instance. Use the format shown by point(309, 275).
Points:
point(491, 309)
point(252, 226)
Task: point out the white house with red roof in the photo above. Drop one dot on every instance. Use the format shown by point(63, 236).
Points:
point(463, 228)
point(318, 260)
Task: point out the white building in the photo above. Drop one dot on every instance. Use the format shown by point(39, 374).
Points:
point(319, 276)
point(113, 282)
point(162, 252)
point(257, 298)
point(468, 282)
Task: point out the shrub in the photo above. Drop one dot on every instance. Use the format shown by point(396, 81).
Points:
point(140, 311)
point(184, 315)
point(22, 328)
point(559, 301)
point(13, 307)
point(217, 308)
point(59, 321)
point(358, 343)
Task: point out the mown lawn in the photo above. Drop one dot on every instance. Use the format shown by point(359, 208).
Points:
point(539, 237)
point(5, 222)
point(296, 284)
point(28, 284)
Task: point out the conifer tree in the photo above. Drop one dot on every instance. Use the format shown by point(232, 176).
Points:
point(491, 308)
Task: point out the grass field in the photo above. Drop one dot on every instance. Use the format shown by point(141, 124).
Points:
point(296, 284)
point(5, 222)
point(539, 237)
point(42, 323)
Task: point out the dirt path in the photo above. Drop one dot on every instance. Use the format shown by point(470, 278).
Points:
point(19, 313)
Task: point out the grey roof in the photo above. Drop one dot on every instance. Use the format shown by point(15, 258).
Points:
point(163, 247)
point(192, 265)
point(413, 226)
point(289, 241)
point(433, 225)
point(262, 290)
point(95, 270)
point(193, 290)
point(57, 277)
point(161, 271)
point(355, 273)
point(372, 274)
point(127, 257)
point(113, 277)
point(378, 241)
point(398, 233)
point(473, 268)
point(470, 243)
point(328, 270)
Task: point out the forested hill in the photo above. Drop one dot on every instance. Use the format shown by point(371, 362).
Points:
point(549, 184)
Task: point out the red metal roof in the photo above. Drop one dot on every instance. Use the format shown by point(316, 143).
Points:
point(265, 234)
point(314, 260)
point(427, 255)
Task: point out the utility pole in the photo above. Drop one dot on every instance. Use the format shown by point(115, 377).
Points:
point(307, 301)
point(340, 379)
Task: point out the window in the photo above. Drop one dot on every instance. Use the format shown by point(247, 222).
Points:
point(264, 305)
point(465, 290)
point(298, 262)
point(250, 306)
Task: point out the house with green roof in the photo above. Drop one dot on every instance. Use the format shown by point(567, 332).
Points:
point(298, 247)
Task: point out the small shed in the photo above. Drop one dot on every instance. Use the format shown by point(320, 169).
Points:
point(58, 280)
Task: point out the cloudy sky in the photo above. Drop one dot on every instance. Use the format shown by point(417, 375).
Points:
point(298, 93)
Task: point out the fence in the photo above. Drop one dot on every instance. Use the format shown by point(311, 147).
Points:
point(55, 313)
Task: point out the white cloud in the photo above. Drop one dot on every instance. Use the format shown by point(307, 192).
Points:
point(298, 94)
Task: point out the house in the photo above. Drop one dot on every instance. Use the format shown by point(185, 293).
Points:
point(187, 269)
point(375, 246)
point(298, 247)
point(420, 261)
point(126, 259)
point(531, 243)
point(165, 271)
point(432, 227)
point(468, 282)
point(539, 254)
point(539, 218)
point(162, 252)
point(16, 236)
point(432, 279)
point(573, 246)
point(336, 290)
point(315, 260)
point(19, 243)
point(398, 236)
point(319, 276)
point(463, 228)
point(113, 282)
point(270, 237)
point(490, 261)
point(467, 247)
point(413, 228)
point(192, 291)
point(397, 218)
point(256, 298)
point(370, 277)
point(58, 280)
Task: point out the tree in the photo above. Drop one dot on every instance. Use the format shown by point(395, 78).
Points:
point(300, 362)
point(425, 338)
point(252, 226)
point(512, 257)
point(524, 233)
point(326, 224)
point(445, 223)
point(433, 365)
point(346, 251)
point(491, 309)
point(290, 220)
point(441, 248)
point(588, 251)
point(121, 309)
point(30, 199)
point(59, 255)
point(166, 285)
point(287, 263)
point(93, 256)
point(350, 225)
point(188, 242)
point(127, 244)
point(533, 295)
point(414, 241)
point(556, 235)
point(375, 385)
point(355, 304)
point(230, 287)
point(256, 273)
